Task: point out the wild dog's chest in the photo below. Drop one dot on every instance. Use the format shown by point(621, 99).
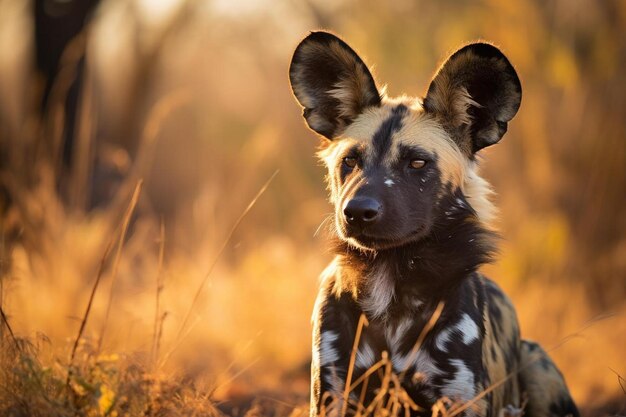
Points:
point(421, 354)
point(428, 363)
point(398, 351)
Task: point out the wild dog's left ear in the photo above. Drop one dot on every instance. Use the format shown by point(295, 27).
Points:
point(475, 93)
point(331, 82)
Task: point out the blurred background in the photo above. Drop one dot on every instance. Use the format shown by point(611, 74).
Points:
point(192, 97)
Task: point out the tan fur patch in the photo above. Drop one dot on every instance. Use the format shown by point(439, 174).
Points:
point(498, 338)
point(367, 123)
point(424, 131)
point(331, 156)
point(478, 193)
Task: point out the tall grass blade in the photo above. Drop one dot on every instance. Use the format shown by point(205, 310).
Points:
point(126, 222)
point(221, 250)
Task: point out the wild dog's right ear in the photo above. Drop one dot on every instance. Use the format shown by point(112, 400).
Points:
point(331, 82)
point(476, 93)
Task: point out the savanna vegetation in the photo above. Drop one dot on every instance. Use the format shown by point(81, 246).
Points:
point(163, 218)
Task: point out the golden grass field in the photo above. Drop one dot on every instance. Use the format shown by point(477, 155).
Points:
point(193, 208)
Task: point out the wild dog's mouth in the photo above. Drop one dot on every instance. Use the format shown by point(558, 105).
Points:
point(364, 240)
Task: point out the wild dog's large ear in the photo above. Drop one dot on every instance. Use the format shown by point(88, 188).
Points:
point(476, 92)
point(331, 82)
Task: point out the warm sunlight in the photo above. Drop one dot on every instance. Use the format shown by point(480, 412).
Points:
point(164, 216)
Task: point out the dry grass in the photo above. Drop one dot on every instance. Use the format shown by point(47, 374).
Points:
point(92, 385)
point(37, 380)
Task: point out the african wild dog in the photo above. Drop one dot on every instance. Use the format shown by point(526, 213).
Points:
point(412, 226)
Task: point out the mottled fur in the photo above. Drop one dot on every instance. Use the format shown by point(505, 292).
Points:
point(412, 222)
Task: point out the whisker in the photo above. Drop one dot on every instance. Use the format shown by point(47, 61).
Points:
point(328, 217)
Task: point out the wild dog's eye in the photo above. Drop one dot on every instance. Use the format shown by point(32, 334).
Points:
point(417, 163)
point(349, 161)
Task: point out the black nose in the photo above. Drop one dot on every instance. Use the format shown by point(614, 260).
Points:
point(362, 211)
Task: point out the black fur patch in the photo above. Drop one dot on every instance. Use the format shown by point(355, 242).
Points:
point(315, 73)
point(382, 138)
point(457, 245)
point(564, 406)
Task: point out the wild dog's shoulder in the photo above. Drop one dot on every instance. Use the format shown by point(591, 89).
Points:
point(500, 306)
point(479, 294)
point(335, 297)
point(480, 290)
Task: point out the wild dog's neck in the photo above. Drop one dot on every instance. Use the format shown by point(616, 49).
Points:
point(423, 270)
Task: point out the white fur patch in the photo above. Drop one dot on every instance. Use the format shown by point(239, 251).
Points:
point(468, 329)
point(389, 182)
point(365, 356)
point(442, 338)
point(328, 353)
point(336, 379)
point(395, 334)
point(461, 387)
point(419, 362)
point(381, 292)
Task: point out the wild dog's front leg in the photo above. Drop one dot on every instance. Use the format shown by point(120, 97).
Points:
point(335, 320)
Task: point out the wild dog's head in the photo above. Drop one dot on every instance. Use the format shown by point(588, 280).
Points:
point(391, 162)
